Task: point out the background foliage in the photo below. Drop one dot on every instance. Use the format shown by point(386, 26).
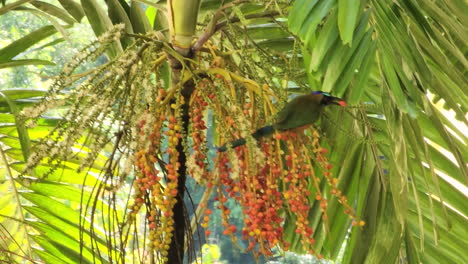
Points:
point(405, 159)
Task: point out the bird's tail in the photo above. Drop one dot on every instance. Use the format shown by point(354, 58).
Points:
point(233, 144)
point(261, 132)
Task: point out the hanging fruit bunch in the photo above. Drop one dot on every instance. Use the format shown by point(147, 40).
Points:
point(270, 161)
point(275, 174)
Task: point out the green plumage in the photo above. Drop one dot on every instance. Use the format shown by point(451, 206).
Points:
point(300, 111)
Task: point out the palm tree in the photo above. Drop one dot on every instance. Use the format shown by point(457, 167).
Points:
point(394, 160)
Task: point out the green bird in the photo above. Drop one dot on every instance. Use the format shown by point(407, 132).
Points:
point(301, 111)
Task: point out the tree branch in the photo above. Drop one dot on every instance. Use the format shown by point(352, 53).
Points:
point(214, 26)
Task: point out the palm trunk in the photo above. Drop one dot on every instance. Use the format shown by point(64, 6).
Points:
point(182, 20)
point(176, 249)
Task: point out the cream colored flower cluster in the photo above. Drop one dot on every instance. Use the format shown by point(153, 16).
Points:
point(100, 104)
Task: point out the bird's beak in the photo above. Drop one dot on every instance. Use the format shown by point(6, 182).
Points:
point(338, 101)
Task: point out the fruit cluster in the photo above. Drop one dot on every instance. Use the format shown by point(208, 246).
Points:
point(198, 165)
point(281, 183)
point(152, 189)
point(276, 181)
point(326, 167)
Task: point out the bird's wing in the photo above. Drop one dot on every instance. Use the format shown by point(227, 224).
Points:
point(286, 112)
point(299, 112)
point(283, 115)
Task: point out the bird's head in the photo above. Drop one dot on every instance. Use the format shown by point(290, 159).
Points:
point(327, 99)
